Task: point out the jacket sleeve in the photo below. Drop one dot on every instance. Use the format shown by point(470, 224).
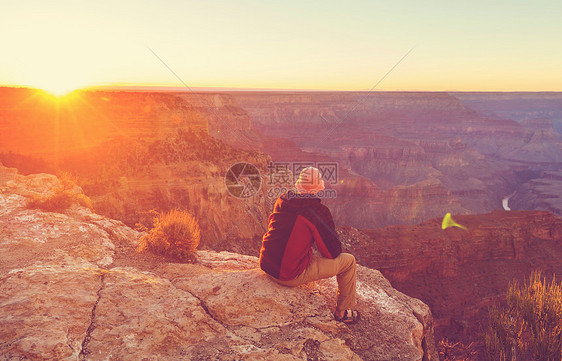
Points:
point(326, 238)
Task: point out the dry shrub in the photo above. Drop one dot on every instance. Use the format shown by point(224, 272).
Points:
point(530, 327)
point(457, 351)
point(62, 197)
point(175, 233)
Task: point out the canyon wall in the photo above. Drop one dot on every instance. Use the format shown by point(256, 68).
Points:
point(402, 157)
point(518, 106)
point(541, 193)
point(134, 153)
point(37, 123)
point(459, 273)
point(430, 147)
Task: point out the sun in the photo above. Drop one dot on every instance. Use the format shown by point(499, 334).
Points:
point(57, 82)
point(59, 89)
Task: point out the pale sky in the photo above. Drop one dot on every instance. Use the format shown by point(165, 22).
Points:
point(340, 45)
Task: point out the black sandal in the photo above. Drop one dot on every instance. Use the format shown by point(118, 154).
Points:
point(349, 317)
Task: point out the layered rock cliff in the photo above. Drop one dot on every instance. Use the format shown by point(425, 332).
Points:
point(133, 152)
point(541, 193)
point(460, 273)
point(73, 287)
point(360, 203)
point(42, 125)
point(413, 143)
point(518, 106)
point(402, 157)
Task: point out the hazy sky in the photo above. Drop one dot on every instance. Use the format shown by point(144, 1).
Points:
point(347, 45)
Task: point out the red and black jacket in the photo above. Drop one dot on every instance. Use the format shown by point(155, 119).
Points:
point(297, 221)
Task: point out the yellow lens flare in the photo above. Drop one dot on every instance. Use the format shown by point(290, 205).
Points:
point(449, 222)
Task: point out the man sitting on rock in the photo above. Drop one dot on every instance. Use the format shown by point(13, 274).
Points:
point(299, 220)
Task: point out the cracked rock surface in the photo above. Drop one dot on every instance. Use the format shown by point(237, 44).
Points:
point(73, 287)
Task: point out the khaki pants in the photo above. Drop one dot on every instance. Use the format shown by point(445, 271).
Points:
point(343, 266)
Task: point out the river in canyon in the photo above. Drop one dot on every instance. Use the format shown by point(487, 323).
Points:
point(505, 201)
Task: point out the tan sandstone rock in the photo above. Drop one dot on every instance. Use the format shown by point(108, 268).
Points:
point(73, 287)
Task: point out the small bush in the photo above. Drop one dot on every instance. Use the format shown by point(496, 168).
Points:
point(457, 351)
point(61, 199)
point(175, 233)
point(530, 327)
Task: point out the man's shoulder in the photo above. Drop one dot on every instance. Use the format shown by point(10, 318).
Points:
point(317, 211)
point(321, 206)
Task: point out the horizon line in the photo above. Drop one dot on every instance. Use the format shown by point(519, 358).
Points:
point(176, 89)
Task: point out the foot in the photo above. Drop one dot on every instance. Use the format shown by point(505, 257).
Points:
point(348, 316)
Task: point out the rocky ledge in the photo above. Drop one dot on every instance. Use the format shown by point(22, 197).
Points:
point(73, 287)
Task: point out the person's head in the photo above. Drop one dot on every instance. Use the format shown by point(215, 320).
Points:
point(310, 181)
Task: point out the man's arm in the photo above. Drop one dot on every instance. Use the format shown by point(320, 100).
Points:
point(324, 232)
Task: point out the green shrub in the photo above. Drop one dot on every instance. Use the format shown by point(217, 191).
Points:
point(530, 326)
point(175, 233)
